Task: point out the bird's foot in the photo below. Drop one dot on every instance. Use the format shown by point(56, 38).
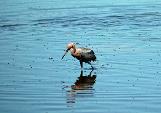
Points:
point(93, 68)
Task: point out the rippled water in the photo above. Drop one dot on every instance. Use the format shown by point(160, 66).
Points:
point(125, 36)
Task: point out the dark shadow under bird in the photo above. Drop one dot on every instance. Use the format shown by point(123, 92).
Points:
point(83, 87)
point(84, 82)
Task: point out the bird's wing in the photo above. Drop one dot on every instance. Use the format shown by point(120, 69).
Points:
point(85, 50)
point(87, 54)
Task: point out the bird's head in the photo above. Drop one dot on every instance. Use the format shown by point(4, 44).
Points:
point(69, 46)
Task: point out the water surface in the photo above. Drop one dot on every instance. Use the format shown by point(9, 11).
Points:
point(125, 36)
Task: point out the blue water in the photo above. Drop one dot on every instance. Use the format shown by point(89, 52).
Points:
point(125, 36)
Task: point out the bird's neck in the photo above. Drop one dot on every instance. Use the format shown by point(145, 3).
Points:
point(73, 50)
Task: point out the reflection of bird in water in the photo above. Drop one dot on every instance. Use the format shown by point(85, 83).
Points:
point(83, 87)
point(82, 54)
point(84, 82)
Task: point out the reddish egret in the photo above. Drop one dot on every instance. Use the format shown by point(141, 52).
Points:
point(82, 54)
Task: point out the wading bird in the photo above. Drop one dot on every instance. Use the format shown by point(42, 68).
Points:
point(82, 54)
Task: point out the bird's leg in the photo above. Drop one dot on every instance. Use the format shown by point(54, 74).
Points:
point(91, 65)
point(91, 72)
point(81, 73)
point(81, 63)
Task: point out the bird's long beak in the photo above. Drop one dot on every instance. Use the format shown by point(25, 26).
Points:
point(65, 53)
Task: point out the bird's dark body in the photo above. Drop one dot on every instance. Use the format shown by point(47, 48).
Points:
point(87, 55)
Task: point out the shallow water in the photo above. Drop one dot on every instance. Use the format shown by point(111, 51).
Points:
point(125, 36)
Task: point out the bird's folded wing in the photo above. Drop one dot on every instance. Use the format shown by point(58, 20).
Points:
point(87, 54)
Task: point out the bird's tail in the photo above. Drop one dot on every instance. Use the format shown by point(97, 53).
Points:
point(94, 58)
